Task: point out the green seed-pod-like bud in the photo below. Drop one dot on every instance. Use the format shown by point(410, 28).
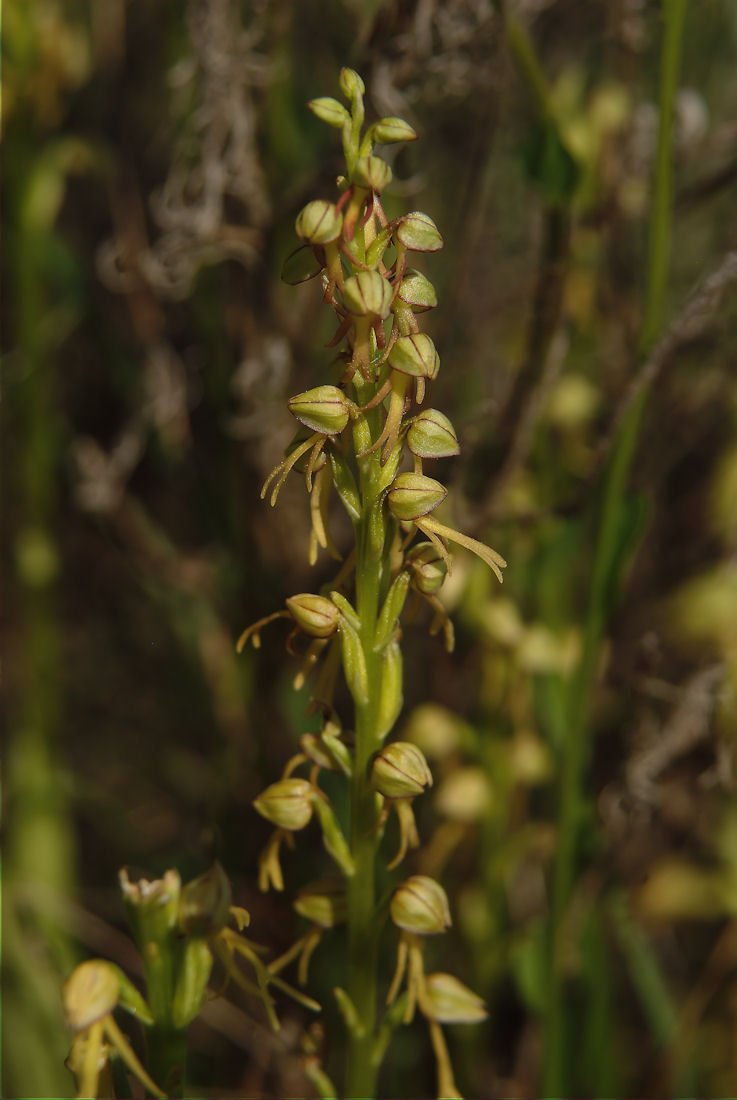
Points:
point(316, 615)
point(373, 173)
point(323, 902)
point(329, 110)
point(368, 294)
point(415, 495)
point(320, 222)
point(431, 435)
point(388, 130)
point(415, 355)
point(191, 987)
point(204, 904)
point(322, 409)
point(429, 569)
point(90, 992)
point(288, 803)
point(390, 699)
point(417, 291)
point(418, 232)
point(420, 905)
point(351, 83)
point(449, 1001)
point(400, 770)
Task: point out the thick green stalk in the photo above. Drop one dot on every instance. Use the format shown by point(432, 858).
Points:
point(607, 551)
point(361, 1072)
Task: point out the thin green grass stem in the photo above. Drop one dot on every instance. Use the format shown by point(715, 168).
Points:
point(607, 560)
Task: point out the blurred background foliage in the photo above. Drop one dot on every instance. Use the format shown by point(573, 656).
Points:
point(155, 155)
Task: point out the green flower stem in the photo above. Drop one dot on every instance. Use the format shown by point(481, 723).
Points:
point(361, 1073)
point(606, 555)
point(166, 1049)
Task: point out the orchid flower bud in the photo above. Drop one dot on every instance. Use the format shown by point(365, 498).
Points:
point(448, 1001)
point(329, 110)
point(90, 993)
point(414, 495)
point(204, 904)
point(320, 222)
point(431, 435)
point(324, 902)
point(351, 83)
point(388, 130)
point(418, 232)
point(288, 803)
point(416, 290)
point(322, 409)
point(415, 355)
point(429, 569)
point(400, 770)
point(368, 294)
point(315, 615)
point(372, 173)
point(420, 906)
